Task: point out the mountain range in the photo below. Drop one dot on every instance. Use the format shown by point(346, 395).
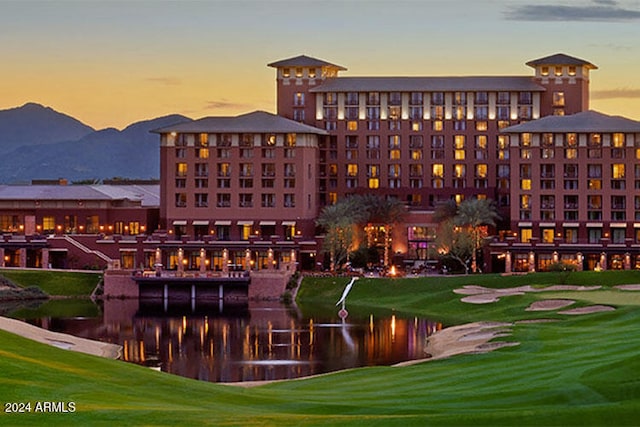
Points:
point(40, 144)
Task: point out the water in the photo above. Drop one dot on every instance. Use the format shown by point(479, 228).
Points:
point(241, 342)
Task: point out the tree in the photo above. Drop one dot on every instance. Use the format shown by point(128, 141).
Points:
point(339, 221)
point(385, 211)
point(455, 242)
point(474, 215)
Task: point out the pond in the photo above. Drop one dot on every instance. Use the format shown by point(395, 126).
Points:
point(237, 342)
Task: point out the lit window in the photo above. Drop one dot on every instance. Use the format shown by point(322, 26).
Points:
point(617, 171)
point(352, 125)
point(525, 184)
point(558, 99)
point(525, 235)
point(572, 70)
point(544, 71)
point(437, 170)
point(557, 71)
point(481, 170)
point(374, 183)
point(352, 169)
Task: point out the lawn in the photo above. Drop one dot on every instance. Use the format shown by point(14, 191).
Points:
point(580, 370)
point(55, 283)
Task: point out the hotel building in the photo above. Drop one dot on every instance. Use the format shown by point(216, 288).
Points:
point(243, 193)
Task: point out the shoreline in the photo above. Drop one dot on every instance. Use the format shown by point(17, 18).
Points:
point(60, 340)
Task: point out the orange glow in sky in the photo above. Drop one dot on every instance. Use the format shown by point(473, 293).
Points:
point(112, 63)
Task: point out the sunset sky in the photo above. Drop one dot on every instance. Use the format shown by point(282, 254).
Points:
point(111, 63)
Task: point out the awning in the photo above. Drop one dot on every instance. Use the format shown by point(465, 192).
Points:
point(571, 224)
point(200, 222)
point(289, 223)
point(594, 224)
point(180, 222)
point(618, 225)
point(525, 224)
point(245, 222)
point(267, 223)
point(547, 224)
point(128, 250)
point(220, 222)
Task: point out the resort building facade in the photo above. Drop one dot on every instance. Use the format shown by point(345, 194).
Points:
point(243, 193)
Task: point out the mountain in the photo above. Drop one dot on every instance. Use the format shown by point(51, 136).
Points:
point(34, 124)
point(131, 153)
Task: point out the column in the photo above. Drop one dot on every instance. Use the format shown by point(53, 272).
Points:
point(23, 257)
point(225, 261)
point(203, 261)
point(270, 260)
point(2, 262)
point(247, 259)
point(532, 262)
point(627, 261)
point(508, 267)
point(45, 258)
point(180, 263)
point(580, 260)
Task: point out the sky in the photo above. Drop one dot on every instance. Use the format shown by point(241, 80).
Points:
point(112, 63)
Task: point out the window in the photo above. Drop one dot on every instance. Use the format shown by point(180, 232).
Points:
point(594, 235)
point(224, 169)
point(547, 235)
point(459, 146)
point(246, 200)
point(525, 235)
point(48, 223)
point(181, 200)
point(298, 99)
point(558, 99)
point(246, 169)
point(202, 169)
point(268, 200)
point(223, 200)
point(289, 200)
point(503, 147)
point(202, 200)
point(373, 98)
point(181, 169)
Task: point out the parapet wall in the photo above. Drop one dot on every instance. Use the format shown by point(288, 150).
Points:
point(268, 284)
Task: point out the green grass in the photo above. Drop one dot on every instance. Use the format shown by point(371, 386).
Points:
point(55, 282)
point(580, 370)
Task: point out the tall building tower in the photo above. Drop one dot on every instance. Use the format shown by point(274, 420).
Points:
point(567, 81)
point(295, 77)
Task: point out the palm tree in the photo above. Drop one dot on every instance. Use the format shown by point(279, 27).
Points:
point(339, 221)
point(385, 211)
point(474, 214)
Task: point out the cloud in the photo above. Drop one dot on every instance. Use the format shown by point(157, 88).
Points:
point(167, 81)
point(624, 92)
point(224, 103)
point(601, 11)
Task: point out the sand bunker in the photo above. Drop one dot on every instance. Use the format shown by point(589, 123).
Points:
point(465, 339)
point(64, 341)
point(588, 310)
point(481, 295)
point(628, 287)
point(549, 304)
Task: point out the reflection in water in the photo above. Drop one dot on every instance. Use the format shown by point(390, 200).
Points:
point(258, 341)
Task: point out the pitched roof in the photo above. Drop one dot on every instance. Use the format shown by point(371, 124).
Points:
point(148, 195)
point(429, 84)
point(585, 122)
point(561, 59)
point(304, 61)
point(255, 122)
